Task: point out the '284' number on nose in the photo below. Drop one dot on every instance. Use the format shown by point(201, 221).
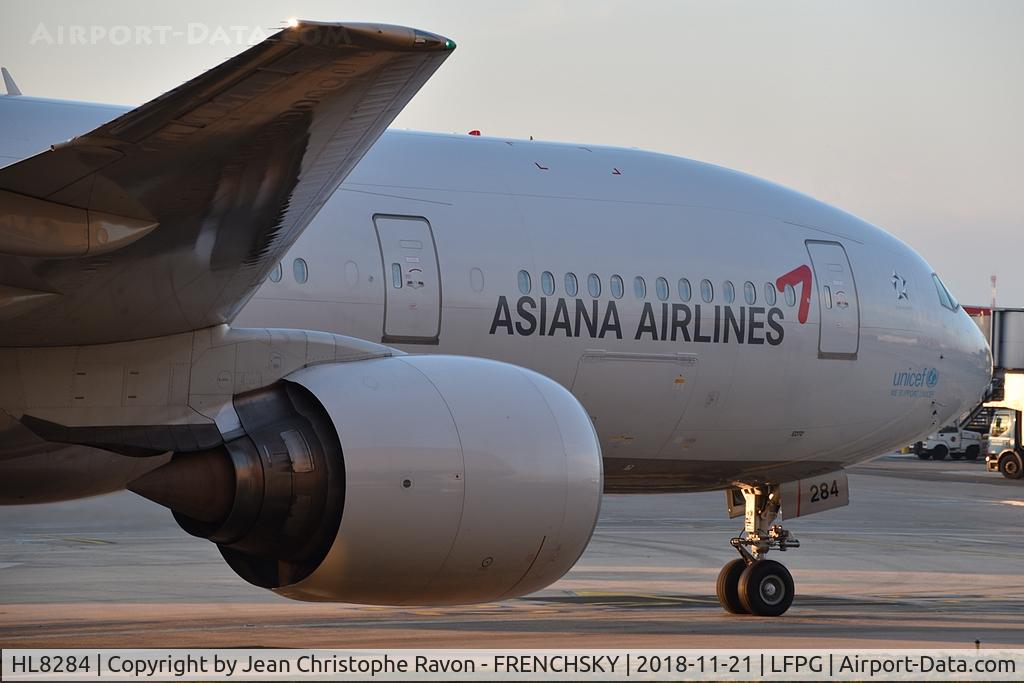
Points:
point(824, 491)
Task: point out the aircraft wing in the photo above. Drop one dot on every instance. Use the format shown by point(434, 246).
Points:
point(167, 218)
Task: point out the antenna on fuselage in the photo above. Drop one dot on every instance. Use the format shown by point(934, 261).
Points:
point(12, 87)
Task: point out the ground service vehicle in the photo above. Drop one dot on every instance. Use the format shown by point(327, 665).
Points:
point(1004, 451)
point(952, 440)
point(1005, 454)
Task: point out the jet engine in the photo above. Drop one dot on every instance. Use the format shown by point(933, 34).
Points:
point(402, 480)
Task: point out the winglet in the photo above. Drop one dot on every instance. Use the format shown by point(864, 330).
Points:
point(12, 87)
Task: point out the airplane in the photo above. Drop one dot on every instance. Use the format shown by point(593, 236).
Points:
point(393, 367)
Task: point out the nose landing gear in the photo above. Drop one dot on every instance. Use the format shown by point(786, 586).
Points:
point(752, 584)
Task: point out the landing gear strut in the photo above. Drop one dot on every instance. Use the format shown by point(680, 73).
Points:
point(752, 584)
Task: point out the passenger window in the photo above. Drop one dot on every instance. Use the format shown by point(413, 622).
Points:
point(684, 289)
point(396, 275)
point(571, 284)
point(769, 293)
point(275, 274)
point(661, 287)
point(828, 296)
point(594, 285)
point(749, 293)
point(476, 277)
point(617, 286)
point(728, 291)
point(790, 295)
point(640, 287)
point(300, 270)
point(547, 283)
point(524, 282)
point(707, 291)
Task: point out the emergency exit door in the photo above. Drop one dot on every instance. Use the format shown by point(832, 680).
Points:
point(839, 331)
point(412, 282)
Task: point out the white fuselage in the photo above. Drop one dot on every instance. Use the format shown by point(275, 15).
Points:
point(423, 246)
point(689, 404)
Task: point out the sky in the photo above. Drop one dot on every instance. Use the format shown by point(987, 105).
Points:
point(907, 113)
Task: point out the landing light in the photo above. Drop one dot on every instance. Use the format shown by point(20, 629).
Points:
point(292, 22)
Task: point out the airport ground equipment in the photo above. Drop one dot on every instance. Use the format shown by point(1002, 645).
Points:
point(967, 438)
point(1005, 453)
point(954, 440)
point(1004, 449)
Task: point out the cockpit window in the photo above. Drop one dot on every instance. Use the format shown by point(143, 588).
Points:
point(945, 298)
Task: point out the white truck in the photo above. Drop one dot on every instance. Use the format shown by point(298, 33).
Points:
point(1004, 328)
point(1004, 452)
point(954, 441)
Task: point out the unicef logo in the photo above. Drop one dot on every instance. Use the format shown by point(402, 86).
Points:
point(914, 383)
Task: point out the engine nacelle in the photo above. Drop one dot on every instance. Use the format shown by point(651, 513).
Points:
point(460, 480)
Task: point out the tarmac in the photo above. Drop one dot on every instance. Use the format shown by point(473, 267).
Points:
point(928, 554)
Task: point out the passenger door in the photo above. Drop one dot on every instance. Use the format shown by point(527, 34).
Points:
point(839, 331)
point(412, 281)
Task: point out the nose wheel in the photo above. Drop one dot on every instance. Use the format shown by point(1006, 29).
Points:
point(766, 588)
point(752, 584)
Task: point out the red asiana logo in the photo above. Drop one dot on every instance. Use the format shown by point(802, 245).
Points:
point(801, 275)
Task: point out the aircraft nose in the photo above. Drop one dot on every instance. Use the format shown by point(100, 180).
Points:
point(972, 357)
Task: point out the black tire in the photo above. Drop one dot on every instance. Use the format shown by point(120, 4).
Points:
point(766, 588)
point(1010, 465)
point(727, 588)
point(972, 452)
point(940, 452)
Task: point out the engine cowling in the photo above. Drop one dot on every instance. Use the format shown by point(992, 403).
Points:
point(402, 480)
